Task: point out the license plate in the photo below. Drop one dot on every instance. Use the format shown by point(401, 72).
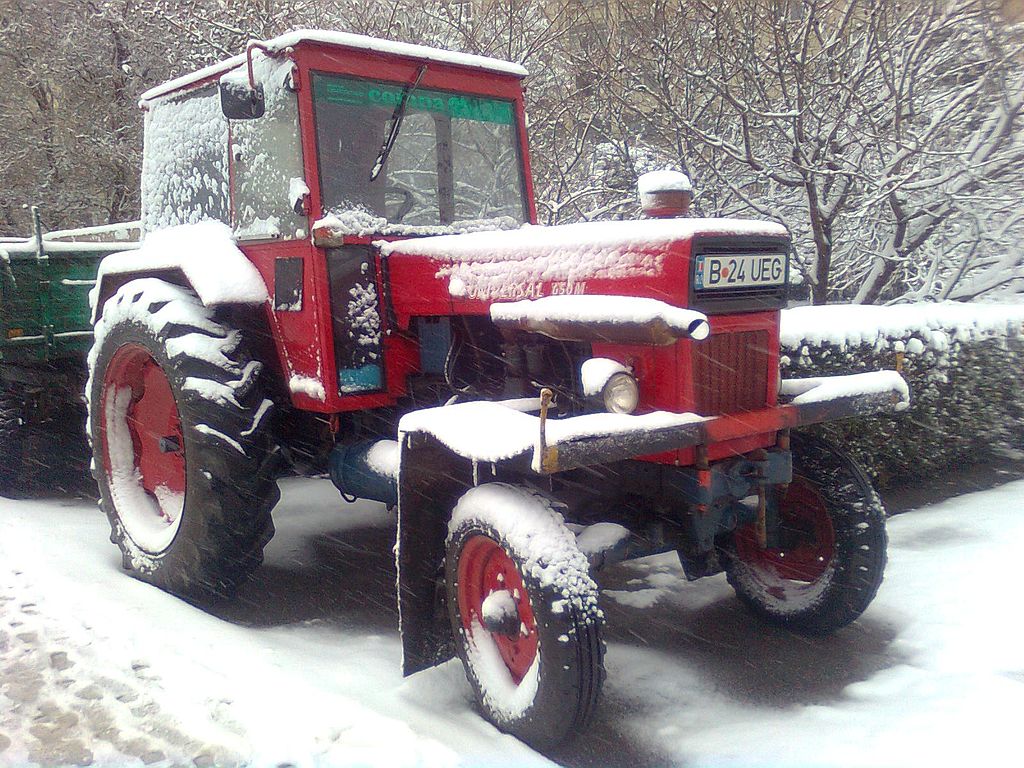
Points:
point(739, 270)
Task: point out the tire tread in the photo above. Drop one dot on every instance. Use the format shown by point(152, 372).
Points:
point(229, 494)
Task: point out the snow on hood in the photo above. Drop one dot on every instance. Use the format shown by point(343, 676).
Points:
point(578, 238)
point(509, 265)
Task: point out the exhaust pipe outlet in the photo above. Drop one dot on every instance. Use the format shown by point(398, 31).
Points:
point(699, 329)
point(366, 470)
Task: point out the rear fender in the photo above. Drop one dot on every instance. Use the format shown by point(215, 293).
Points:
point(234, 280)
point(108, 284)
point(243, 313)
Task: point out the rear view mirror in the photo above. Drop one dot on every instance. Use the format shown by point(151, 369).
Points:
point(240, 102)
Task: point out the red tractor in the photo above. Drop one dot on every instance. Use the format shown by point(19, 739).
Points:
point(341, 274)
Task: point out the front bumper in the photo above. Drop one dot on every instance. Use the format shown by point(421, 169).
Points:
point(493, 432)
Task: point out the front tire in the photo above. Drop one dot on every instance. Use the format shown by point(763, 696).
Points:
point(524, 614)
point(181, 440)
point(832, 552)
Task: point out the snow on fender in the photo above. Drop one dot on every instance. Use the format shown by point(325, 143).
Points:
point(205, 253)
point(524, 613)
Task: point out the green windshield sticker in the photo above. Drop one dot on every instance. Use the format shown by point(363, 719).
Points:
point(365, 93)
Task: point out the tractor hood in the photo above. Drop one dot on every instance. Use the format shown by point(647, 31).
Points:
point(633, 258)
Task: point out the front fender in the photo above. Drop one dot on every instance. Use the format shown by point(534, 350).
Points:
point(431, 480)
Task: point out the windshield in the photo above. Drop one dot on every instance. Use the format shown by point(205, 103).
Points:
point(454, 161)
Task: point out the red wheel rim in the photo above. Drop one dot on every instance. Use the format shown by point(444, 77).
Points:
point(153, 424)
point(807, 538)
point(485, 567)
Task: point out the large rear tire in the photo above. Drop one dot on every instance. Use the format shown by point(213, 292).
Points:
point(524, 614)
point(183, 454)
point(832, 552)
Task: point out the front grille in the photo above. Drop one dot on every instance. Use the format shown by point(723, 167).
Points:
point(730, 373)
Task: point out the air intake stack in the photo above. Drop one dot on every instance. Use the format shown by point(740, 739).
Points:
point(665, 194)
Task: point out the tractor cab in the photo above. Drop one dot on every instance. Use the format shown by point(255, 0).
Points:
point(312, 146)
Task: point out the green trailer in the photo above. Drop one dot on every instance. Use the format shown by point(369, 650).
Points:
point(45, 336)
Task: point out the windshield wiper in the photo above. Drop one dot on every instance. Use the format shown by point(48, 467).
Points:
point(395, 125)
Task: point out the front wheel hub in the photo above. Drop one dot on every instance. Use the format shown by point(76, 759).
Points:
point(806, 537)
point(493, 599)
point(500, 614)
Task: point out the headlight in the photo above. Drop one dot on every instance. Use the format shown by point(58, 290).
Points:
point(621, 393)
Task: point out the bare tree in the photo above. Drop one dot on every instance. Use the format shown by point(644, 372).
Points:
point(70, 135)
point(866, 127)
point(885, 135)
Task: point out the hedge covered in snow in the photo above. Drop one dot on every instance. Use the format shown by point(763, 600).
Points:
point(964, 364)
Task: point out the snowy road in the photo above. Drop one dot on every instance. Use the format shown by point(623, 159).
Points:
point(303, 668)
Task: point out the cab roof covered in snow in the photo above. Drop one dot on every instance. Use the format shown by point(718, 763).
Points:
point(341, 40)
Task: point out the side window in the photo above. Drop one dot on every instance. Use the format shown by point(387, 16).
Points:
point(266, 155)
point(185, 161)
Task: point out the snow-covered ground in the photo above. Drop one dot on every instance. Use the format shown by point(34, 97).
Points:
point(303, 669)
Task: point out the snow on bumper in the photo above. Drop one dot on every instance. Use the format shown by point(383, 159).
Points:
point(494, 432)
point(823, 389)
